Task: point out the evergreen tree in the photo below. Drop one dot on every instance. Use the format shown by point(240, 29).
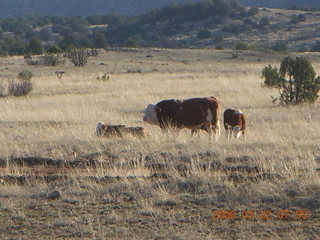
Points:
point(296, 81)
point(35, 46)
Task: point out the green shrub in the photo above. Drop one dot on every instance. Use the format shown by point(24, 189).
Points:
point(242, 46)
point(232, 28)
point(234, 54)
point(204, 34)
point(271, 75)
point(296, 81)
point(264, 21)
point(298, 18)
point(316, 47)
point(35, 46)
point(280, 47)
point(54, 49)
point(132, 43)
point(253, 11)
point(25, 75)
point(219, 45)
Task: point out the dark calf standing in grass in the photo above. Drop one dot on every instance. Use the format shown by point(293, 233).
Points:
point(234, 122)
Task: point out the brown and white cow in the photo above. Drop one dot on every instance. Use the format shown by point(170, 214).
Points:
point(193, 113)
point(234, 122)
point(108, 130)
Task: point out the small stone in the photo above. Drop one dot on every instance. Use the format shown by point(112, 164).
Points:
point(54, 195)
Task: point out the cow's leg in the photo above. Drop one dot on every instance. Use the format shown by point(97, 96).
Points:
point(230, 133)
point(217, 130)
point(228, 130)
point(244, 136)
point(208, 126)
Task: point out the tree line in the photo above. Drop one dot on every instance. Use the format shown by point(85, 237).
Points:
point(34, 35)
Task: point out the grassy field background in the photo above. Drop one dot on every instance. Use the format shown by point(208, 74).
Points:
point(158, 187)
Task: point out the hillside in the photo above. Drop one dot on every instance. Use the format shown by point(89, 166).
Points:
point(19, 8)
point(268, 29)
point(236, 28)
point(205, 24)
point(281, 4)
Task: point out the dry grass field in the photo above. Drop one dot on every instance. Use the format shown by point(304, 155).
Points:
point(266, 186)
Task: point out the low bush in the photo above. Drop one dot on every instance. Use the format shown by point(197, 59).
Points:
point(79, 57)
point(51, 59)
point(20, 88)
point(204, 34)
point(25, 75)
point(242, 46)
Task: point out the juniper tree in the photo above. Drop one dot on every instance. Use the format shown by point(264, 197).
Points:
point(296, 81)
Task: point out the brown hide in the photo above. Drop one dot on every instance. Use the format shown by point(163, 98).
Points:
point(190, 113)
point(233, 117)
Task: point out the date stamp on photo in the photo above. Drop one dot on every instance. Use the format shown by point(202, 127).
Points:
point(263, 215)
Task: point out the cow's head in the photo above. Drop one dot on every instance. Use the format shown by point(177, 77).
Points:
point(236, 131)
point(150, 115)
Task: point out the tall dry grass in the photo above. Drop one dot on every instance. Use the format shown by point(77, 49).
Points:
point(68, 110)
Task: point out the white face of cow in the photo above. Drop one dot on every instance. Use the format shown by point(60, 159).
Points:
point(150, 115)
point(236, 131)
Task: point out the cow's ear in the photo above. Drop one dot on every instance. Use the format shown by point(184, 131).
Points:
point(157, 109)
